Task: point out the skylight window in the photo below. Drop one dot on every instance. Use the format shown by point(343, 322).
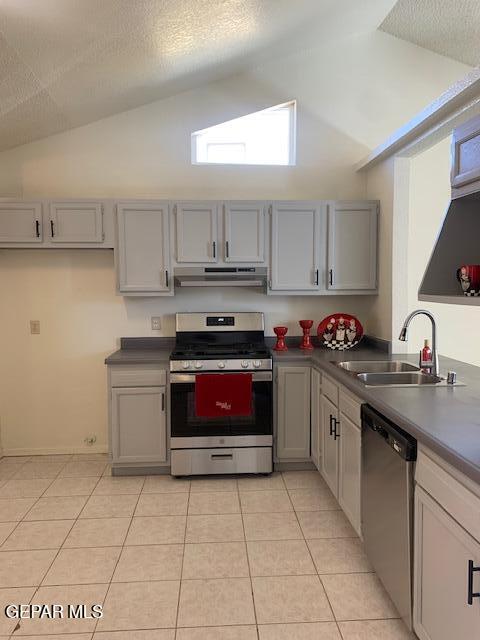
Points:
point(263, 137)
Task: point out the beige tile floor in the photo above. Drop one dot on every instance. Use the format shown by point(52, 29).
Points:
point(254, 558)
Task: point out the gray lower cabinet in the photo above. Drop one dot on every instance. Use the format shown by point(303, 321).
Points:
point(293, 413)
point(139, 429)
point(349, 466)
point(443, 553)
point(315, 418)
point(329, 438)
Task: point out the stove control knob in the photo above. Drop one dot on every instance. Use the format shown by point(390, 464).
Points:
point(221, 365)
point(256, 364)
point(186, 365)
point(244, 364)
point(198, 365)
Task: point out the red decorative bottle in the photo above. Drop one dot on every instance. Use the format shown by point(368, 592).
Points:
point(306, 342)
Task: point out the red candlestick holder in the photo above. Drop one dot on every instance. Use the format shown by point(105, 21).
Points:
point(306, 342)
point(280, 332)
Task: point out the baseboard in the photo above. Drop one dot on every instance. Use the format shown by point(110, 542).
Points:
point(293, 466)
point(49, 451)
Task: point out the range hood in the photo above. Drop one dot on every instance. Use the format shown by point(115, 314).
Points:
point(220, 276)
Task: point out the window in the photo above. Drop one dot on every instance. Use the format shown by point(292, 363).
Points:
point(264, 137)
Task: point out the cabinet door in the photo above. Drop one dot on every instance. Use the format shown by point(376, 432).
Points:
point(293, 413)
point(296, 259)
point(76, 222)
point(139, 432)
point(315, 393)
point(197, 231)
point(443, 550)
point(349, 461)
point(329, 414)
point(466, 153)
point(143, 248)
point(352, 245)
point(20, 222)
point(244, 224)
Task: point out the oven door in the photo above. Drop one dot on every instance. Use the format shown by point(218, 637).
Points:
point(186, 425)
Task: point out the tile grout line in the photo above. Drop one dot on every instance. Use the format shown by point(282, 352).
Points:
point(249, 568)
point(36, 589)
point(121, 550)
point(183, 560)
point(318, 576)
point(28, 510)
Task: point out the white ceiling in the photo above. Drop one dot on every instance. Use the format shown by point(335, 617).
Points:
point(64, 63)
point(448, 27)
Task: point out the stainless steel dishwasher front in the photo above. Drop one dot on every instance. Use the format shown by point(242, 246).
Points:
point(388, 458)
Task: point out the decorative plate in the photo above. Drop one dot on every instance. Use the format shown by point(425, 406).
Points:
point(340, 331)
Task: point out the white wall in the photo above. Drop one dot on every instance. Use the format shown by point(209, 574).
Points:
point(429, 199)
point(350, 96)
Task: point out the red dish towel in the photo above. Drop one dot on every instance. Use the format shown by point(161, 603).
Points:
point(224, 394)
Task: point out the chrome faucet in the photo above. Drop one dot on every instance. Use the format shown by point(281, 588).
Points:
point(433, 367)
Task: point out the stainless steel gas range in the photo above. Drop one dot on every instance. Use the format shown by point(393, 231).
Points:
point(221, 395)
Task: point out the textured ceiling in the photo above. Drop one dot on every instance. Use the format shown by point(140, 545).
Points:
point(64, 63)
point(448, 27)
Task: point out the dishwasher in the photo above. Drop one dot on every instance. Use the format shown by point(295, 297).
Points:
point(388, 461)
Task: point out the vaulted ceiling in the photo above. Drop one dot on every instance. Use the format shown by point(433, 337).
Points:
point(64, 63)
point(448, 27)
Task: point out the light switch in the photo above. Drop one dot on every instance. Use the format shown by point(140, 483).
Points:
point(156, 323)
point(35, 326)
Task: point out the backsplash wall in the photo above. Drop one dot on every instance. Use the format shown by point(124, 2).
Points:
point(53, 392)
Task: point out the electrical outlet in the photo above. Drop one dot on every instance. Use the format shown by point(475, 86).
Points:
point(89, 440)
point(156, 323)
point(35, 327)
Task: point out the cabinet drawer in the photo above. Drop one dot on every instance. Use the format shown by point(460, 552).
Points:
point(456, 499)
point(137, 376)
point(350, 406)
point(330, 389)
point(191, 462)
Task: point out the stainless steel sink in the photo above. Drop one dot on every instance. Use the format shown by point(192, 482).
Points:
point(406, 378)
point(377, 366)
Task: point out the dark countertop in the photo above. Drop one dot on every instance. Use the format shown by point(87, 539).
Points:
point(444, 419)
point(142, 351)
point(139, 356)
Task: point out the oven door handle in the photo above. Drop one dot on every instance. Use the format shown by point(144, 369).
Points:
point(188, 378)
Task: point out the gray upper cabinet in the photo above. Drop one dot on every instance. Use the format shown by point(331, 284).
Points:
point(21, 222)
point(76, 222)
point(244, 226)
point(352, 245)
point(143, 249)
point(139, 432)
point(466, 154)
point(196, 232)
point(296, 260)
